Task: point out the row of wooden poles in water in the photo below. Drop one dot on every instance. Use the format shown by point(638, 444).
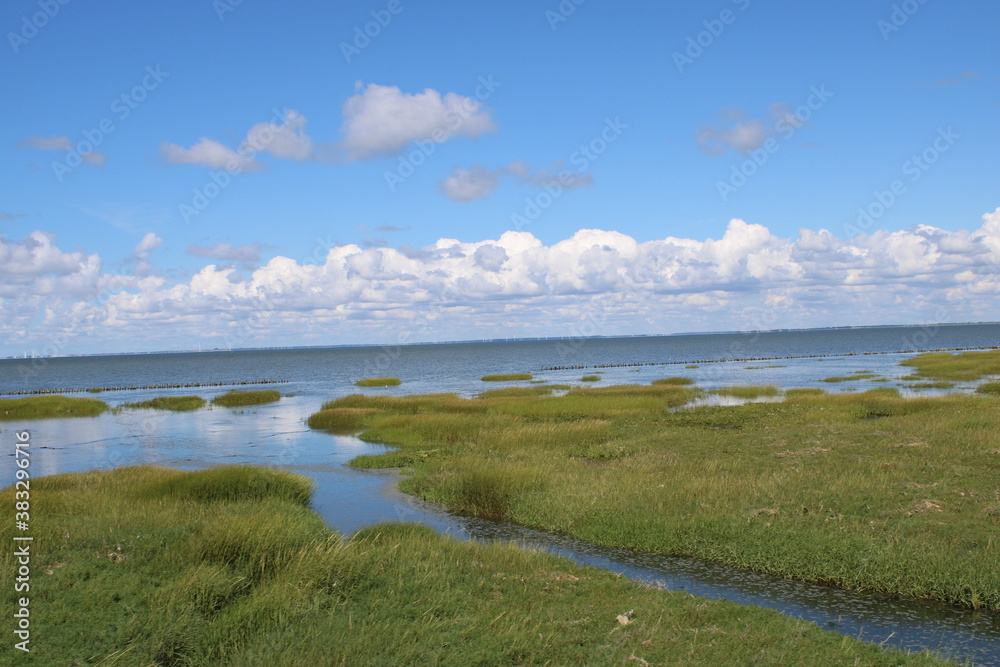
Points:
point(749, 359)
point(136, 387)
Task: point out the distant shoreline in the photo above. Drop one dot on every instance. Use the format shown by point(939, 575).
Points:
point(535, 339)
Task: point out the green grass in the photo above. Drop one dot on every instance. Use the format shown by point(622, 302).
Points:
point(152, 566)
point(518, 392)
point(691, 366)
point(749, 391)
point(235, 399)
point(992, 388)
point(674, 380)
point(858, 375)
point(867, 491)
point(963, 367)
point(510, 377)
point(378, 382)
point(175, 403)
point(47, 407)
point(590, 378)
point(941, 384)
point(342, 421)
point(800, 392)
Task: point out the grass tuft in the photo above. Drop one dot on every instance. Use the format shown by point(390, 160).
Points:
point(748, 391)
point(234, 399)
point(674, 381)
point(590, 378)
point(234, 483)
point(175, 403)
point(518, 392)
point(341, 421)
point(378, 382)
point(799, 392)
point(991, 388)
point(48, 407)
point(509, 377)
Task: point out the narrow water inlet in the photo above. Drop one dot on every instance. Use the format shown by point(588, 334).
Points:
point(913, 625)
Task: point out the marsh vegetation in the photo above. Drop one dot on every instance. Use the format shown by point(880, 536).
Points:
point(378, 382)
point(229, 566)
point(236, 399)
point(175, 403)
point(48, 407)
point(867, 491)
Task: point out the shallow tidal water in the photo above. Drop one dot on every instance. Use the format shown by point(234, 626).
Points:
point(348, 499)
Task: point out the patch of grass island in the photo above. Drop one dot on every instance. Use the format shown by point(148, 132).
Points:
point(378, 382)
point(961, 367)
point(508, 377)
point(868, 491)
point(175, 403)
point(749, 391)
point(236, 399)
point(49, 407)
point(679, 381)
point(156, 566)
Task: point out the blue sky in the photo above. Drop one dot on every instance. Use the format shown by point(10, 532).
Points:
point(825, 105)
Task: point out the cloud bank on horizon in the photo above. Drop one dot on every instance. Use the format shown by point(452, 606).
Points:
point(604, 282)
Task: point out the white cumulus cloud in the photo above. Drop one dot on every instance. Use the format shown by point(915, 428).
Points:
point(382, 120)
point(511, 285)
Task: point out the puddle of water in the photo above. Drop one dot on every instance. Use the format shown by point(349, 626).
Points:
point(721, 400)
point(349, 499)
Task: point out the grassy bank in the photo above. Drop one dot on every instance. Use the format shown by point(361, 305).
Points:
point(47, 407)
point(748, 392)
point(145, 565)
point(509, 377)
point(961, 367)
point(175, 403)
point(235, 399)
point(866, 491)
point(378, 382)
